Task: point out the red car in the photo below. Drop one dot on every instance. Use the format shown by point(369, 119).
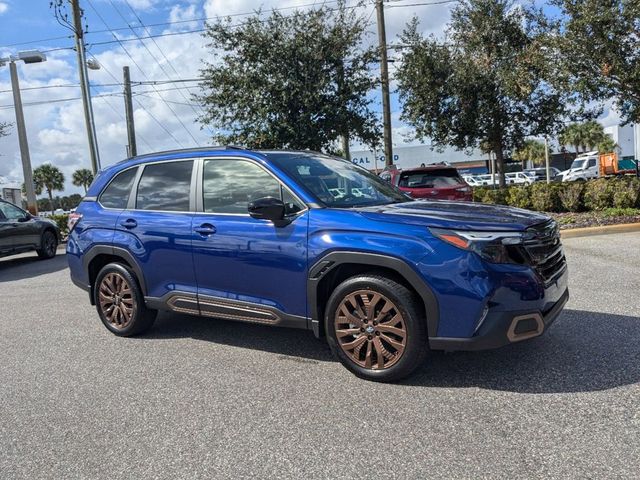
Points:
point(435, 182)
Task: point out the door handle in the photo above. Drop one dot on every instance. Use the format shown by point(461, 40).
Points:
point(205, 229)
point(129, 223)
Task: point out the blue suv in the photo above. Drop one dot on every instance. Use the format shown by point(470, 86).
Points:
point(306, 240)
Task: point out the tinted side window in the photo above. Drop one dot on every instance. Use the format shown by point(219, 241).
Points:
point(11, 212)
point(592, 162)
point(165, 186)
point(116, 195)
point(229, 185)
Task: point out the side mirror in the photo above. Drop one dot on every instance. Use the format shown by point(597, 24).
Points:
point(267, 208)
point(26, 217)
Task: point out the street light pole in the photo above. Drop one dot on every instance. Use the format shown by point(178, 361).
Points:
point(32, 204)
point(84, 86)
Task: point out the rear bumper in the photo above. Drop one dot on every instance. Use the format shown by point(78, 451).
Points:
point(503, 328)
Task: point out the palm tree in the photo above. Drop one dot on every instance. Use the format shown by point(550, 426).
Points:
point(572, 135)
point(607, 144)
point(532, 151)
point(83, 178)
point(49, 178)
point(592, 134)
point(582, 136)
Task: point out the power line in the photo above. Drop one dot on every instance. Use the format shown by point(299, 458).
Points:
point(143, 73)
point(152, 55)
point(185, 32)
point(160, 124)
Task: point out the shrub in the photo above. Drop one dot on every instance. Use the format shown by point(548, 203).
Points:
point(620, 212)
point(598, 194)
point(62, 222)
point(519, 196)
point(571, 196)
point(497, 195)
point(479, 193)
point(626, 192)
point(544, 197)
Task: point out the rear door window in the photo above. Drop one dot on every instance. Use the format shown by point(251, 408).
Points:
point(165, 187)
point(435, 179)
point(116, 195)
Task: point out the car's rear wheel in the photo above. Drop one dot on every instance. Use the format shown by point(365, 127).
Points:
point(48, 245)
point(375, 328)
point(120, 302)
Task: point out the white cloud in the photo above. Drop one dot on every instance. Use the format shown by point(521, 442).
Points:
point(3, 7)
point(56, 131)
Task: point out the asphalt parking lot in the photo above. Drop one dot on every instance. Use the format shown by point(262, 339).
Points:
point(200, 398)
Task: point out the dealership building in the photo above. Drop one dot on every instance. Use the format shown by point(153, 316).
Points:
point(627, 138)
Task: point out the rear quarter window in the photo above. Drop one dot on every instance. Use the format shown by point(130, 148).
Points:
point(116, 195)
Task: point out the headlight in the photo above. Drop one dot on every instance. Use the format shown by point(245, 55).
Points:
point(495, 247)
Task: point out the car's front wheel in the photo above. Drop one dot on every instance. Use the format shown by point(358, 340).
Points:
point(120, 302)
point(375, 327)
point(48, 245)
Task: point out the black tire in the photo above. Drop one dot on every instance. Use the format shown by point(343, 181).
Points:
point(377, 288)
point(120, 302)
point(48, 245)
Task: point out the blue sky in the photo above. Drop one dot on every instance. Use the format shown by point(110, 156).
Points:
point(56, 130)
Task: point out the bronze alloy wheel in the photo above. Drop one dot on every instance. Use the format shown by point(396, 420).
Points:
point(370, 330)
point(116, 300)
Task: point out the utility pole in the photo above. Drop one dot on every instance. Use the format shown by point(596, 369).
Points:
point(384, 77)
point(84, 85)
point(546, 159)
point(32, 204)
point(132, 150)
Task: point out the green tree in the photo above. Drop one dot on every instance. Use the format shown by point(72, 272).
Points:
point(83, 178)
point(299, 80)
point(531, 151)
point(598, 51)
point(607, 144)
point(583, 136)
point(485, 83)
point(50, 178)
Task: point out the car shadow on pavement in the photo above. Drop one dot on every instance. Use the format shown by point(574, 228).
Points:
point(582, 352)
point(29, 266)
point(284, 341)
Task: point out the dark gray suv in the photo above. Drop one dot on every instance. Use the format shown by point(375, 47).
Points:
point(22, 232)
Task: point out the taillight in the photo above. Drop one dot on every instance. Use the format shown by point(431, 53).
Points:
point(74, 218)
point(463, 189)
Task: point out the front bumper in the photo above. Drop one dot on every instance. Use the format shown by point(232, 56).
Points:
point(503, 328)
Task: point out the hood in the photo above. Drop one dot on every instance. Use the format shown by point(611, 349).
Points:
point(457, 215)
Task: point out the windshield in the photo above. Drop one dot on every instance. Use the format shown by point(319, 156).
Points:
point(336, 182)
point(578, 163)
point(426, 179)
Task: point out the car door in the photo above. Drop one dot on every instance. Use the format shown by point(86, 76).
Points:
point(156, 227)
point(6, 240)
point(247, 268)
point(21, 230)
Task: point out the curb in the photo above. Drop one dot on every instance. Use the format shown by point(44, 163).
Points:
point(602, 230)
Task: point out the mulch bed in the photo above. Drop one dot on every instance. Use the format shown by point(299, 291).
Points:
point(591, 219)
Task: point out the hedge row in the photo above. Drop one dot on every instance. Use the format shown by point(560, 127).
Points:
point(593, 195)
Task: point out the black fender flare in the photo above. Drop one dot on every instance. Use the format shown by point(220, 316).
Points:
point(124, 254)
point(333, 259)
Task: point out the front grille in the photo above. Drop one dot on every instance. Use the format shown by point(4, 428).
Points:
point(544, 250)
